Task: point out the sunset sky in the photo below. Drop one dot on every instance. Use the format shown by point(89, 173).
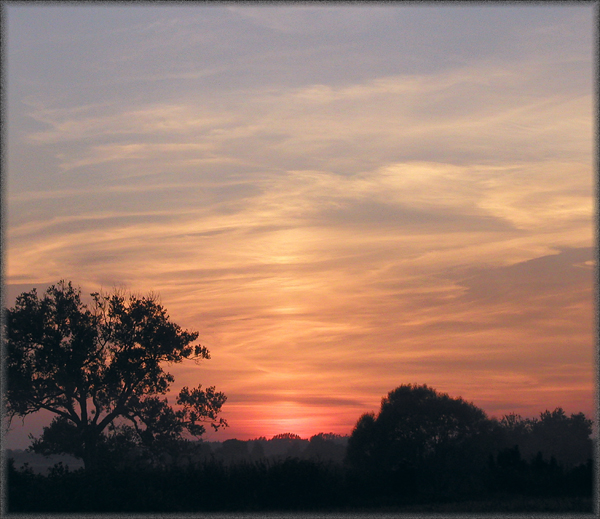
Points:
point(339, 198)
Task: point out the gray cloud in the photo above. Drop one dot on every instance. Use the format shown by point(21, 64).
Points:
point(570, 270)
point(366, 214)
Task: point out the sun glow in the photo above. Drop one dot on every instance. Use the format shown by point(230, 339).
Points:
point(280, 417)
point(283, 417)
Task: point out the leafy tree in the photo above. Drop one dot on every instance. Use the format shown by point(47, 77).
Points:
point(420, 437)
point(326, 447)
point(567, 438)
point(286, 436)
point(98, 365)
point(284, 445)
point(364, 445)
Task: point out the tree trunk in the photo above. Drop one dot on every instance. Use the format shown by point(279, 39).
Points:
point(90, 450)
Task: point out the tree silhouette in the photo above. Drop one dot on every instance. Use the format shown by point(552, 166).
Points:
point(419, 437)
point(94, 366)
point(326, 447)
point(286, 436)
point(567, 438)
point(286, 444)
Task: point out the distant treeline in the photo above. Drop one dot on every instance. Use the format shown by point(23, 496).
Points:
point(324, 447)
point(328, 447)
point(540, 464)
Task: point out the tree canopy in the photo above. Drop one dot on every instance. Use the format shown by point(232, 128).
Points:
point(566, 438)
point(418, 431)
point(99, 367)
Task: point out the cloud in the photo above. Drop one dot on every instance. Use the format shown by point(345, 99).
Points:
point(559, 274)
point(308, 223)
point(334, 203)
point(85, 123)
point(472, 114)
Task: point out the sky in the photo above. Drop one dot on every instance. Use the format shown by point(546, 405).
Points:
point(340, 198)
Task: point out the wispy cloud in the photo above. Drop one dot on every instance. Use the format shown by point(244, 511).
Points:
point(340, 199)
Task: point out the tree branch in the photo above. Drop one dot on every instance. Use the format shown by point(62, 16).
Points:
point(59, 413)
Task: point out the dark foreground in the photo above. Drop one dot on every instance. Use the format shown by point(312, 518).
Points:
point(296, 485)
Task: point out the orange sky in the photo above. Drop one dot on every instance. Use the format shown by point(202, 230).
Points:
point(339, 199)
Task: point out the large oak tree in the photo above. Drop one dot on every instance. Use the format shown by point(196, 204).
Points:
point(100, 365)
